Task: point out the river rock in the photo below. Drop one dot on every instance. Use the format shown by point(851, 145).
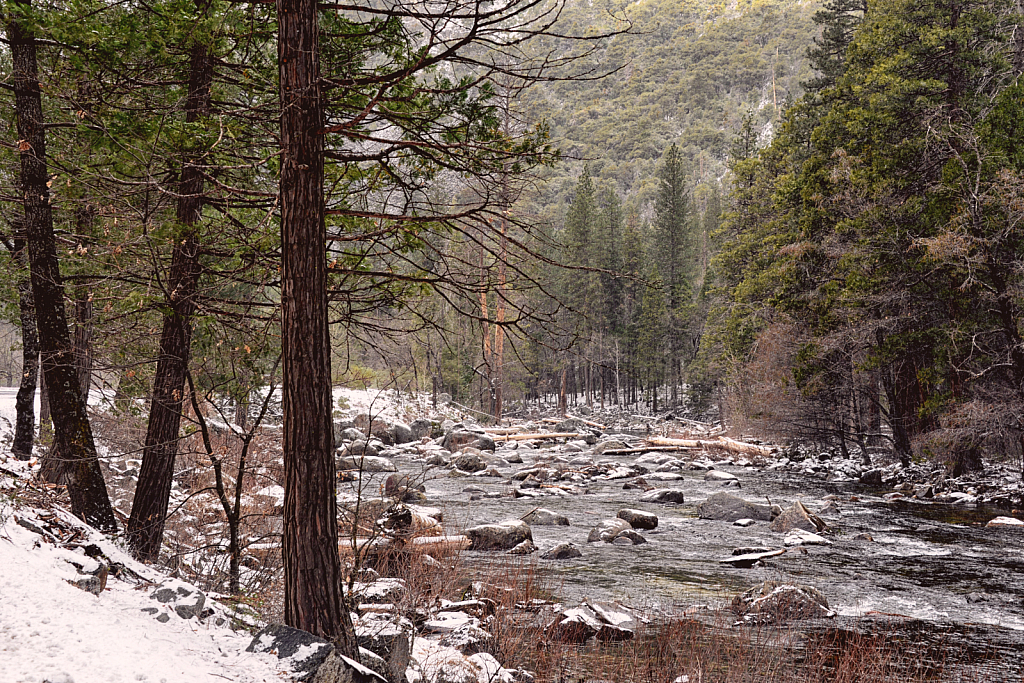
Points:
point(872, 477)
point(665, 496)
point(469, 462)
point(422, 427)
point(797, 517)
point(572, 425)
point(779, 601)
point(576, 625)
point(402, 433)
point(502, 536)
point(525, 548)
point(629, 537)
point(468, 639)
point(348, 434)
point(720, 476)
point(801, 537)
point(639, 519)
point(607, 529)
point(338, 668)
point(377, 427)
point(361, 447)
point(729, 508)
point(366, 463)
point(609, 445)
point(401, 487)
point(460, 438)
point(562, 551)
point(1005, 521)
point(544, 517)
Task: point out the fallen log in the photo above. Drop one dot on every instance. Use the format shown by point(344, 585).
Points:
point(498, 431)
point(644, 449)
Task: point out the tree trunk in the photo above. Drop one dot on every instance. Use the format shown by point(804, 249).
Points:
point(73, 434)
point(152, 493)
point(25, 403)
point(312, 567)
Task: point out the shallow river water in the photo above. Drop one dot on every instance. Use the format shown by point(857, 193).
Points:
point(932, 567)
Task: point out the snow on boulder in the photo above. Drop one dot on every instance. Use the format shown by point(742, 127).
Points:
point(778, 601)
point(1005, 521)
point(726, 507)
point(186, 600)
point(665, 496)
point(797, 517)
point(607, 529)
point(300, 652)
point(639, 519)
point(503, 536)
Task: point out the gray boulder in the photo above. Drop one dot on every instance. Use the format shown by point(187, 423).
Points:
point(337, 668)
point(721, 477)
point(377, 427)
point(457, 439)
point(729, 508)
point(402, 433)
point(562, 551)
point(390, 638)
point(186, 601)
point(361, 447)
point(797, 517)
point(300, 652)
point(502, 536)
point(610, 445)
point(665, 496)
point(871, 477)
point(422, 427)
point(607, 529)
point(544, 517)
point(773, 601)
point(468, 639)
point(469, 462)
point(629, 537)
point(639, 519)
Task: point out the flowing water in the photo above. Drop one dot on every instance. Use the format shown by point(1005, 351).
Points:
point(930, 569)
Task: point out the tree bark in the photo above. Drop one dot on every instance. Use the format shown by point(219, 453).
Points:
point(25, 403)
point(312, 566)
point(72, 432)
point(149, 508)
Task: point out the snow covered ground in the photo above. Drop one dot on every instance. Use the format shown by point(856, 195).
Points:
point(51, 630)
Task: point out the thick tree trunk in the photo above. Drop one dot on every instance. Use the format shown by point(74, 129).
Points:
point(149, 508)
point(25, 403)
point(73, 434)
point(312, 567)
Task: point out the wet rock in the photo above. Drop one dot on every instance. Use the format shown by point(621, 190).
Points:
point(639, 519)
point(629, 537)
point(777, 601)
point(607, 529)
point(301, 653)
point(745, 522)
point(366, 463)
point(872, 477)
point(562, 551)
point(863, 537)
point(666, 496)
point(469, 462)
point(1005, 522)
point(747, 560)
point(797, 517)
point(545, 517)
point(524, 548)
point(576, 625)
point(924, 491)
point(502, 536)
point(829, 508)
point(802, 537)
point(720, 477)
point(638, 483)
point(728, 508)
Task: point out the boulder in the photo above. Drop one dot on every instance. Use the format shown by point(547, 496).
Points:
point(366, 463)
point(468, 639)
point(1005, 521)
point(376, 427)
point(469, 462)
point(562, 551)
point(720, 476)
point(388, 637)
point(422, 427)
point(871, 477)
point(607, 529)
point(402, 433)
point(629, 537)
point(460, 438)
point(572, 425)
point(778, 601)
point(401, 486)
point(797, 517)
point(337, 668)
point(348, 434)
point(502, 536)
point(524, 548)
point(639, 519)
point(665, 496)
point(545, 517)
point(576, 625)
point(300, 652)
point(801, 537)
point(728, 508)
point(609, 445)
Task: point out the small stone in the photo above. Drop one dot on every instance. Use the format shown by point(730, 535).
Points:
point(745, 522)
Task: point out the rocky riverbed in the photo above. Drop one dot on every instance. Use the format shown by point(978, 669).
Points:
point(910, 544)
